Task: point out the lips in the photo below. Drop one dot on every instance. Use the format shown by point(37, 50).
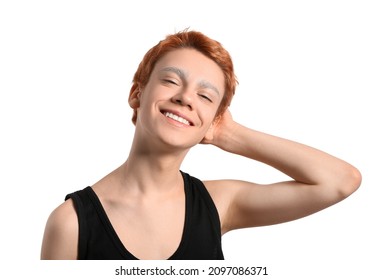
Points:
point(177, 117)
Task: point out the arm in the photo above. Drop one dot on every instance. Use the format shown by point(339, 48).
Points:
point(319, 179)
point(61, 234)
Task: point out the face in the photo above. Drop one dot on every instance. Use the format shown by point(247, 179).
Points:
point(179, 103)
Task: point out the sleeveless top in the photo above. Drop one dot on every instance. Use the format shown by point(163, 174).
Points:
point(201, 238)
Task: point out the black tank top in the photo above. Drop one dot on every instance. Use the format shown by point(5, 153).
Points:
point(201, 239)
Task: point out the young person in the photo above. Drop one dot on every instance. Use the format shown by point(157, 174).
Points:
point(148, 209)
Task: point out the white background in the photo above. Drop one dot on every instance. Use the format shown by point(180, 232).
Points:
point(310, 71)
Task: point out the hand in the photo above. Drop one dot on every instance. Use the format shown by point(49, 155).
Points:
point(220, 127)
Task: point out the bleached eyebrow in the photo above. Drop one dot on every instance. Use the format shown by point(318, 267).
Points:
point(175, 70)
point(182, 74)
point(204, 84)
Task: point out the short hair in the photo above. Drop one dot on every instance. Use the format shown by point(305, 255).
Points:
point(194, 40)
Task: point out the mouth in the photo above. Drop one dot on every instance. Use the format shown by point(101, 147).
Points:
point(177, 117)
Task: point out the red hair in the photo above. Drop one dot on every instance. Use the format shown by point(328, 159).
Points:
point(188, 39)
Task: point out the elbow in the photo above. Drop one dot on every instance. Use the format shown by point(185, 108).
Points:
point(350, 181)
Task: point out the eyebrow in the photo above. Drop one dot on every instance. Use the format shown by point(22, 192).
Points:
point(182, 74)
point(176, 70)
point(204, 84)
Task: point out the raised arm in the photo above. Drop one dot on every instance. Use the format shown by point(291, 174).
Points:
point(319, 179)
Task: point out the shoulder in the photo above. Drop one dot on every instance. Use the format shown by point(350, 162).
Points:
point(61, 233)
point(64, 215)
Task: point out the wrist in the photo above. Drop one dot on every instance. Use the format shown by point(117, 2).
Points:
point(225, 139)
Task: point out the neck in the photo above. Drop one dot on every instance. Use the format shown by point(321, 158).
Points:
point(149, 169)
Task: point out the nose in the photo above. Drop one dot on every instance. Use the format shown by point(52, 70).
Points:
point(183, 98)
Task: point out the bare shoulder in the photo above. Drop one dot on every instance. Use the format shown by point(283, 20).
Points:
point(61, 233)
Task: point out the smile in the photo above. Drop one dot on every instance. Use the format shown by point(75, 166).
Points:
point(177, 118)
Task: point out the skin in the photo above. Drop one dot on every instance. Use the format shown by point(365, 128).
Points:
point(144, 197)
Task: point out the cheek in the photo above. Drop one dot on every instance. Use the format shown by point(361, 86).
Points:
point(213, 113)
point(146, 98)
point(208, 119)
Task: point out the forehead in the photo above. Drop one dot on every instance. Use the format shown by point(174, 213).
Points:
point(193, 64)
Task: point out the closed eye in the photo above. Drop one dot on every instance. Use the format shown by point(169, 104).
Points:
point(205, 97)
point(168, 81)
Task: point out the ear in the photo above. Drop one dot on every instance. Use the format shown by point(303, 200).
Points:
point(134, 98)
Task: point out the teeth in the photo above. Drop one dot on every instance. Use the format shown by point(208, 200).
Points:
point(177, 118)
